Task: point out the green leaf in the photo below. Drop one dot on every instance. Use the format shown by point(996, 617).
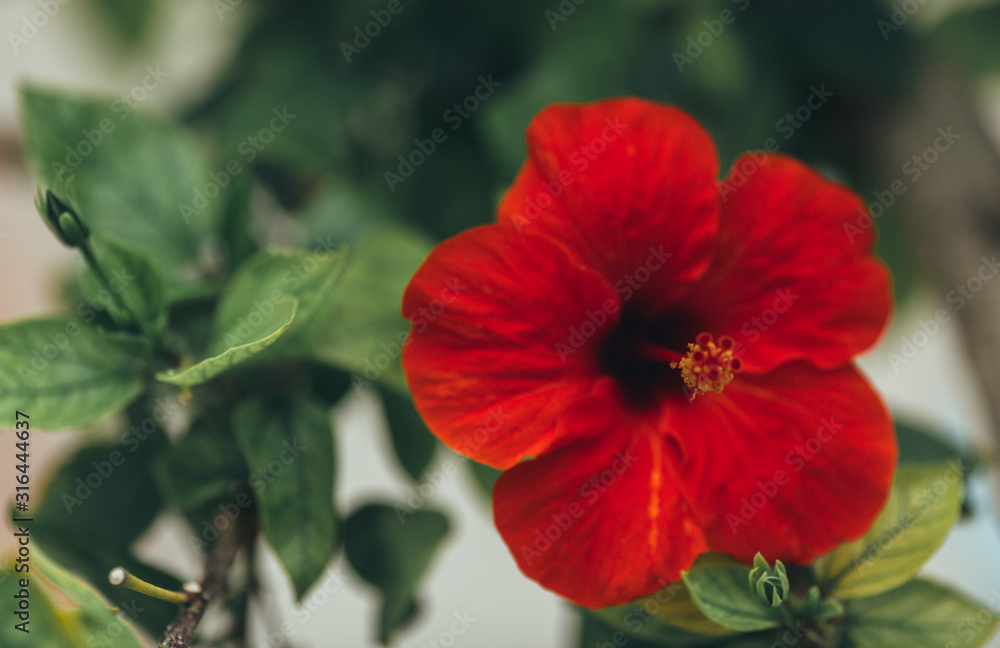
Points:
point(269, 328)
point(360, 327)
point(919, 444)
point(202, 467)
point(412, 442)
point(274, 277)
point(99, 501)
point(594, 633)
point(922, 507)
point(485, 476)
point(288, 447)
point(392, 553)
point(668, 617)
point(133, 176)
point(130, 19)
point(719, 587)
point(968, 37)
point(133, 279)
point(234, 226)
point(66, 612)
point(919, 613)
point(64, 374)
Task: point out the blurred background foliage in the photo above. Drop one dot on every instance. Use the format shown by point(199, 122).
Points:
point(363, 101)
point(356, 116)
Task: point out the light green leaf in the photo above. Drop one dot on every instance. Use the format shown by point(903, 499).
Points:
point(924, 504)
point(132, 278)
point(288, 447)
point(63, 373)
point(251, 340)
point(360, 326)
point(133, 176)
point(720, 588)
point(919, 613)
point(66, 612)
point(273, 277)
point(392, 551)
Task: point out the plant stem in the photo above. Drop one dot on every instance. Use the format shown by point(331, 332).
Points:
point(180, 633)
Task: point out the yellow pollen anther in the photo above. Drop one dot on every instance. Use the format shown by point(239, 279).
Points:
point(708, 365)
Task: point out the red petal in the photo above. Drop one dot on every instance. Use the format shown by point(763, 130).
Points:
point(790, 463)
point(490, 359)
point(600, 521)
point(623, 183)
point(793, 277)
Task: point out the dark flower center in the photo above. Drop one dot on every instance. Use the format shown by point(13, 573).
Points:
point(666, 356)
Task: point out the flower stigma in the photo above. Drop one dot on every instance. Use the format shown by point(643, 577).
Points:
point(708, 366)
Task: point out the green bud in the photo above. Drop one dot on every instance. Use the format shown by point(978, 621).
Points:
point(815, 608)
point(74, 233)
point(770, 585)
point(61, 219)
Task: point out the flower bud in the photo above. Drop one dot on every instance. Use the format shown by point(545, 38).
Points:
point(815, 608)
point(61, 219)
point(770, 585)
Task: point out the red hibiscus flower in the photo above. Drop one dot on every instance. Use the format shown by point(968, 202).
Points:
point(661, 362)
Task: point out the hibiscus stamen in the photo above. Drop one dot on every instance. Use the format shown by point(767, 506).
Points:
point(708, 365)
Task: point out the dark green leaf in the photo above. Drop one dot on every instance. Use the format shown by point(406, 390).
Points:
point(922, 508)
point(668, 617)
point(288, 447)
point(720, 589)
point(485, 476)
point(234, 224)
point(392, 551)
point(593, 634)
point(919, 444)
point(132, 176)
point(203, 466)
point(412, 441)
point(63, 373)
point(132, 279)
point(919, 613)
